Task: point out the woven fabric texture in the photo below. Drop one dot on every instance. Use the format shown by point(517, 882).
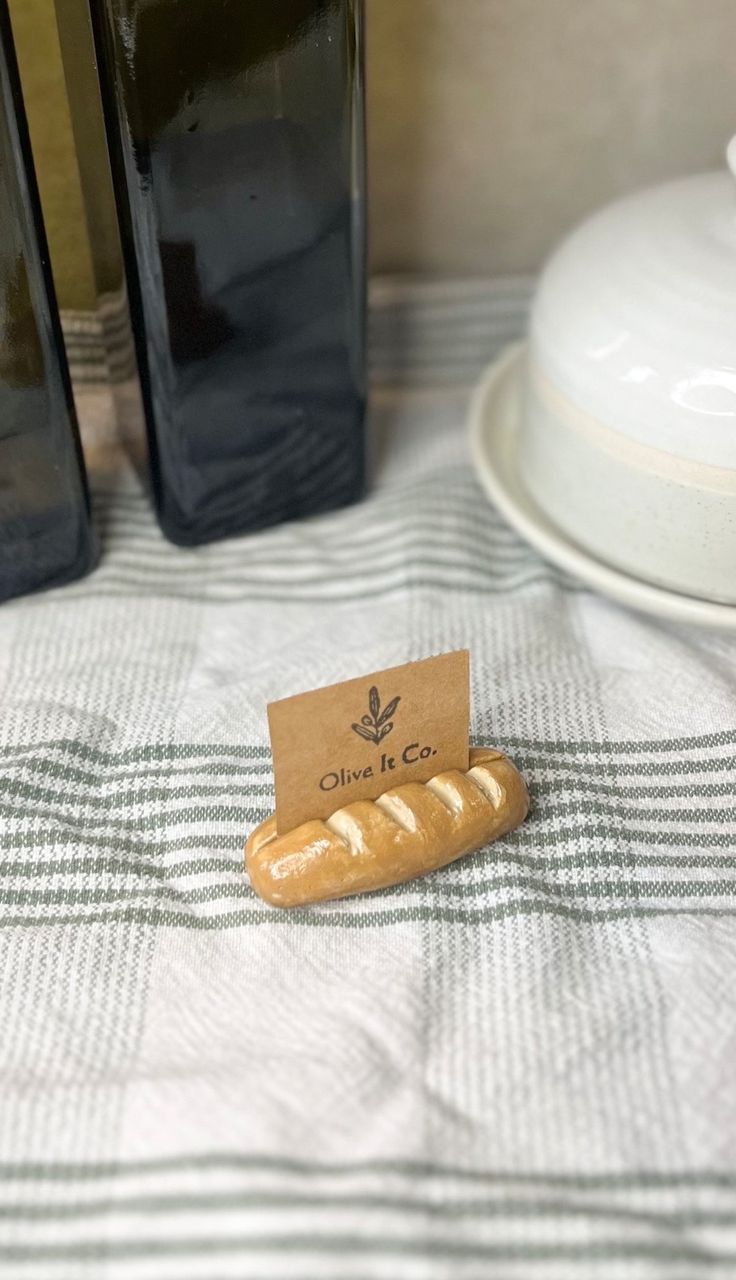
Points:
point(521, 1066)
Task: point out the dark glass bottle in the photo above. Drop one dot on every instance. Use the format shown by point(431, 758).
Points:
point(236, 139)
point(45, 532)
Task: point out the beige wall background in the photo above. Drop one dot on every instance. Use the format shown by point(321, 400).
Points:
point(494, 125)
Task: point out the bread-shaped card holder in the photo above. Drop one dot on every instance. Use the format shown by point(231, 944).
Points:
point(373, 844)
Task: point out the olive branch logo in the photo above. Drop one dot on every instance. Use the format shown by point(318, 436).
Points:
point(378, 724)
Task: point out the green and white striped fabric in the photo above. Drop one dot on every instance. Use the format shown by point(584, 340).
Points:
point(522, 1066)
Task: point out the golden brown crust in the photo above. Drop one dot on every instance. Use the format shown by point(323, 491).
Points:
point(407, 832)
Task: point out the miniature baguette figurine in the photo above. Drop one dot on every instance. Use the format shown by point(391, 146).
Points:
point(406, 832)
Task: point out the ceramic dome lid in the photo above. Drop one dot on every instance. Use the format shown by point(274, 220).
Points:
point(635, 318)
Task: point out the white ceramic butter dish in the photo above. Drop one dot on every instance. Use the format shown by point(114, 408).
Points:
point(625, 438)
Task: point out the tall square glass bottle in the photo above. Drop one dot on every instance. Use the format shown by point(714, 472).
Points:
point(45, 531)
point(236, 139)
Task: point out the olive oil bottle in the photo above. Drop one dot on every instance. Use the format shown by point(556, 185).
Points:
point(236, 137)
point(45, 531)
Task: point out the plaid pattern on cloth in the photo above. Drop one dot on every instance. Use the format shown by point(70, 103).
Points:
point(521, 1066)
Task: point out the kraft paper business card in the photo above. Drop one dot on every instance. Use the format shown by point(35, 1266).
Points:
point(355, 740)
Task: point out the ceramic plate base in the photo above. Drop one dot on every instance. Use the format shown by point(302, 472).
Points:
point(494, 431)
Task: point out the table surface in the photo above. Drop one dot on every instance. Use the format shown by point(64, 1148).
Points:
point(519, 1066)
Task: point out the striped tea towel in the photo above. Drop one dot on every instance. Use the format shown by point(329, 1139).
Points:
point(521, 1066)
